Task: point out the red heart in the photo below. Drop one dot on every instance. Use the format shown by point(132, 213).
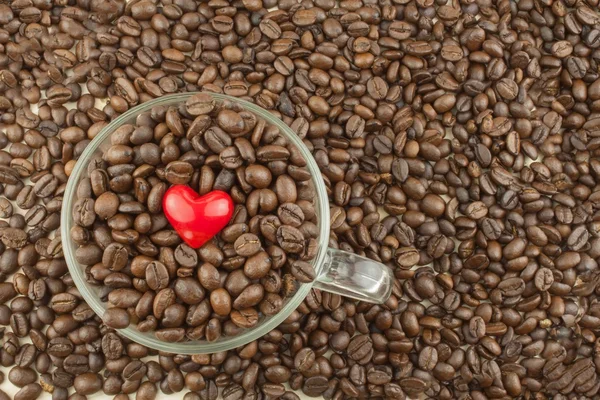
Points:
point(197, 218)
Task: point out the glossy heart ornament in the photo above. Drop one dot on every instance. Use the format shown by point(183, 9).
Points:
point(197, 218)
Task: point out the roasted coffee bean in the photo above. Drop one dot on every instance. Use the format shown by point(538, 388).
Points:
point(303, 271)
point(304, 359)
point(116, 318)
point(22, 376)
point(290, 239)
point(543, 279)
point(200, 104)
point(157, 275)
point(87, 383)
point(359, 347)
point(247, 245)
point(290, 214)
point(30, 391)
point(6, 208)
point(315, 386)
point(178, 172)
point(258, 265)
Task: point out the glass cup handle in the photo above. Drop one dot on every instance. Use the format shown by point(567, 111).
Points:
point(354, 276)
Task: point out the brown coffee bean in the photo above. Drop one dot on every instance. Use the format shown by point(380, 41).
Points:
point(200, 104)
point(247, 245)
point(157, 275)
point(116, 318)
point(303, 271)
point(290, 239)
point(178, 172)
point(258, 265)
point(544, 279)
point(220, 301)
point(304, 359)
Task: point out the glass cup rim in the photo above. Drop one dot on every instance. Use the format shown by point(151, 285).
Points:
point(193, 347)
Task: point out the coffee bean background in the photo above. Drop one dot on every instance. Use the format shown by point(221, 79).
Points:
point(459, 143)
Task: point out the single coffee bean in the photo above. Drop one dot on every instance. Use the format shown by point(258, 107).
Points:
point(116, 318)
point(290, 239)
point(303, 271)
point(247, 245)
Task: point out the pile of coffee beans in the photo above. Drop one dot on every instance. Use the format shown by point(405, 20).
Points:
point(145, 271)
point(458, 140)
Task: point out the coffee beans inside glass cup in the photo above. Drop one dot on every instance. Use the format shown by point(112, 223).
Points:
point(138, 202)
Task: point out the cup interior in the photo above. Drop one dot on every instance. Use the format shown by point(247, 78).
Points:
point(92, 293)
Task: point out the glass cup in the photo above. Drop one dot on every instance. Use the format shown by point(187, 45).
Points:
point(337, 271)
